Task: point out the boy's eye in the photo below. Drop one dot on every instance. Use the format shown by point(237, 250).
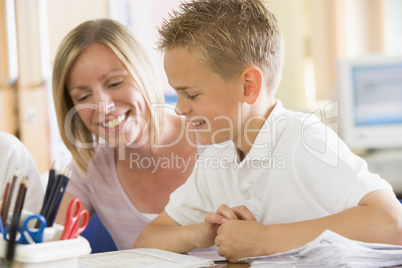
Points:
point(192, 97)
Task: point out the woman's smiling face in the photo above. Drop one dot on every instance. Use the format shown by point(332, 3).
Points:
point(106, 97)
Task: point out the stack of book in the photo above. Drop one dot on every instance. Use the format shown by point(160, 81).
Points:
point(333, 250)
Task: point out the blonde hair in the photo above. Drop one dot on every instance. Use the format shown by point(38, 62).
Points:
point(230, 35)
point(122, 42)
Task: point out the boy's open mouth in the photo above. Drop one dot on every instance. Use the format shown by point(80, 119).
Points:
point(197, 123)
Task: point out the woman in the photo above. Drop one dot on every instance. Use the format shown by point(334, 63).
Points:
point(128, 154)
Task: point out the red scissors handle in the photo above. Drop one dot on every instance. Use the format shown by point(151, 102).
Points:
point(76, 220)
point(77, 227)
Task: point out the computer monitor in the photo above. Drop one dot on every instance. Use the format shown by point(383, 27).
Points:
point(370, 102)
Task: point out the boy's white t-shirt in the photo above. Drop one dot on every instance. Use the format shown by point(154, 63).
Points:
point(298, 169)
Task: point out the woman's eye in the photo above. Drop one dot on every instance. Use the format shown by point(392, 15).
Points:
point(115, 84)
point(81, 99)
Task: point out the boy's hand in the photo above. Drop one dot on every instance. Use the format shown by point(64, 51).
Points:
point(208, 229)
point(243, 213)
point(237, 238)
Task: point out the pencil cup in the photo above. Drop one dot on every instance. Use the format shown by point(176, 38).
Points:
point(53, 252)
point(53, 233)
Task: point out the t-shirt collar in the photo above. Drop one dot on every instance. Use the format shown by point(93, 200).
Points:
point(265, 141)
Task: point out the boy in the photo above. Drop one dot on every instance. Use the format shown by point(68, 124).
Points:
point(271, 179)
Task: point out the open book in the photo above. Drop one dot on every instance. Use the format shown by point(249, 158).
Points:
point(333, 250)
point(142, 257)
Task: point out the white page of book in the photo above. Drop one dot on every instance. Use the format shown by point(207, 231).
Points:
point(149, 258)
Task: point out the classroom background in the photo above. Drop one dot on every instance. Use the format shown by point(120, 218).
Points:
point(343, 63)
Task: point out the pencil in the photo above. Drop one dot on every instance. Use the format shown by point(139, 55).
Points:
point(57, 192)
point(58, 199)
point(47, 202)
point(51, 179)
point(11, 239)
point(49, 189)
point(50, 202)
point(4, 215)
point(5, 193)
point(19, 203)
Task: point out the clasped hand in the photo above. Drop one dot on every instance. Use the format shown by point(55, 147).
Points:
point(234, 231)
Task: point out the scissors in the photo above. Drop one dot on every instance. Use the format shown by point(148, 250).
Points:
point(26, 234)
point(1, 226)
point(75, 223)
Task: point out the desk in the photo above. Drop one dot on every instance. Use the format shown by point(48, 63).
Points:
point(231, 265)
point(246, 265)
point(109, 258)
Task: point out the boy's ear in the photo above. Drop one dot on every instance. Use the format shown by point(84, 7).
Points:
point(252, 81)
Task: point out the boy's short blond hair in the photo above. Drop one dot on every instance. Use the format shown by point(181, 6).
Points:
point(229, 35)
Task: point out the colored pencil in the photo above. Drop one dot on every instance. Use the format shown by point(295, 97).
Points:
point(7, 204)
point(55, 193)
point(5, 193)
point(19, 202)
point(58, 199)
point(12, 239)
point(50, 182)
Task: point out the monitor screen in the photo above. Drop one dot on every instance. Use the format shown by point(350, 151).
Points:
point(371, 102)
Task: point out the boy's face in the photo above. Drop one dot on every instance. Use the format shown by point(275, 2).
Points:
point(210, 104)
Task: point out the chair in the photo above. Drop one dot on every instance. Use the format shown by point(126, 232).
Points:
point(98, 237)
